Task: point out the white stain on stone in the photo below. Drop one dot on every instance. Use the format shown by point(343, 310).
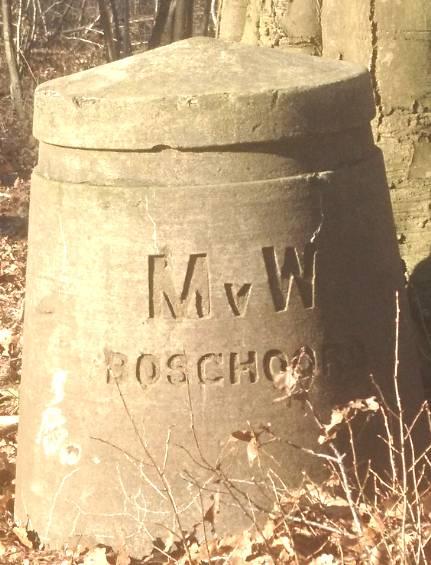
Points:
point(57, 386)
point(53, 434)
point(37, 488)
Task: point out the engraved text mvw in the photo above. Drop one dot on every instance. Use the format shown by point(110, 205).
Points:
point(194, 300)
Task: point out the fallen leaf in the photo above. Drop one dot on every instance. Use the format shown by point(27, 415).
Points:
point(213, 510)
point(286, 543)
point(209, 549)
point(268, 529)
point(325, 559)
point(96, 556)
point(243, 548)
point(122, 557)
point(337, 418)
point(262, 560)
point(346, 413)
point(22, 535)
point(5, 340)
point(169, 542)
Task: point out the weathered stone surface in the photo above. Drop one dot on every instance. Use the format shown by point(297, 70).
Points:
point(176, 99)
point(167, 286)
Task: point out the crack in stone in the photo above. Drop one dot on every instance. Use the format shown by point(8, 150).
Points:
point(150, 217)
point(374, 32)
point(54, 501)
point(322, 177)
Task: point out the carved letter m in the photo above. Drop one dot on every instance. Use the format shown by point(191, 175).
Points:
point(194, 300)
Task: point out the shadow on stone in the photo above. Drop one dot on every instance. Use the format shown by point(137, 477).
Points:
point(419, 292)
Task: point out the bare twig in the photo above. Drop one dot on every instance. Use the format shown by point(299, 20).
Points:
point(159, 471)
point(346, 488)
point(121, 449)
point(401, 420)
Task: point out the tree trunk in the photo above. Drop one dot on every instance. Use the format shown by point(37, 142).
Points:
point(15, 84)
point(115, 26)
point(162, 30)
point(205, 18)
point(394, 41)
point(123, 15)
point(291, 24)
point(183, 19)
point(232, 19)
point(110, 44)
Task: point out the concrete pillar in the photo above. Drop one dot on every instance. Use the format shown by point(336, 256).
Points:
point(203, 216)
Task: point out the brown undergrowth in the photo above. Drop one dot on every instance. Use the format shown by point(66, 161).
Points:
point(331, 523)
point(336, 522)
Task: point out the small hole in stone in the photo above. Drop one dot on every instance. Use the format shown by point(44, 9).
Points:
point(70, 455)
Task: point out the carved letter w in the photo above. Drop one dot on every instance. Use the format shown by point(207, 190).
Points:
point(281, 279)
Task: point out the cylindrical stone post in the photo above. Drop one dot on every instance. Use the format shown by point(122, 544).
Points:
point(202, 216)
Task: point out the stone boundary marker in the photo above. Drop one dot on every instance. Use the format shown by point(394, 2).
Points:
point(203, 216)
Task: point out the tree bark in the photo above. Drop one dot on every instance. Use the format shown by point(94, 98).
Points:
point(183, 19)
point(110, 44)
point(206, 18)
point(394, 41)
point(232, 19)
point(126, 47)
point(291, 24)
point(15, 83)
point(120, 17)
point(162, 30)
point(115, 27)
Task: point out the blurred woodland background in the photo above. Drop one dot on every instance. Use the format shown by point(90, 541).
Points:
point(44, 39)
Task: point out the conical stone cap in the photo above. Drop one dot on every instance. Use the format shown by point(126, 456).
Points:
point(202, 92)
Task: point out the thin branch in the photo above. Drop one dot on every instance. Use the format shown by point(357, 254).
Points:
point(401, 420)
point(159, 472)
